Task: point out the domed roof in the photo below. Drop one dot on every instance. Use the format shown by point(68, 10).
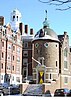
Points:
point(46, 33)
point(51, 32)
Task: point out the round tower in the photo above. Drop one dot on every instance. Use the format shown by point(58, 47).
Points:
point(45, 55)
point(15, 19)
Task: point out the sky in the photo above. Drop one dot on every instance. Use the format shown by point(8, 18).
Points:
point(33, 14)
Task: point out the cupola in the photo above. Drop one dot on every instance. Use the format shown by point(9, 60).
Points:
point(15, 19)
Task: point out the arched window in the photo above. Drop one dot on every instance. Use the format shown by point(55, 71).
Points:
point(13, 18)
point(17, 18)
point(65, 52)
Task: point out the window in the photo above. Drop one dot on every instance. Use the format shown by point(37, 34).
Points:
point(2, 54)
point(65, 52)
point(65, 64)
point(1, 29)
point(50, 76)
point(25, 53)
point(13, 78)
point(36, 45)
point(25, 44)
point(9, 46)
point(18, 59)
point(56, 45)
point(2, 44)
point(5, 31)
point(13, 57)
point(25, 61)
point(14, 48)
point(2, 66)
point(13, 68)
point(1, 77)
point(8, 57)
point(41, 60)
point(56, 63)
point(17, 79)
point(13, 18)
point(46, 44)
point(24, 71)
point(8, 67)
point(17, 18)
point(65, 79)
point(17, 69)
point(18, 50)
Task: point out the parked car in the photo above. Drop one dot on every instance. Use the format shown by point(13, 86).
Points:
point(3, 90)
point(8, 89)
point(69, 93)
point(62, 92)
point(1, 87)
point(47, 94)
point(5, 85)
point(1, 93)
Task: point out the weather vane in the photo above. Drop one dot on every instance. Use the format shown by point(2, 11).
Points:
point(46, 14)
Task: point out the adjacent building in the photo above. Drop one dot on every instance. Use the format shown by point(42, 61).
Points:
point(11, 51)
point(27, 38)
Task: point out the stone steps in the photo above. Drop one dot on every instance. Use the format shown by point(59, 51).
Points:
point(34, 89)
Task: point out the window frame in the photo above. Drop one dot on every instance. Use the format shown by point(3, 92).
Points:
point(25, 44)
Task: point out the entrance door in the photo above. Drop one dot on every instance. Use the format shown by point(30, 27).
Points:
point(40, 77)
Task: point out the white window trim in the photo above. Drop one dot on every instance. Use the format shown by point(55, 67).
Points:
point(26, 45)
point(41, 58)
point(65, 82)
point(25, 61)
point(25, 53)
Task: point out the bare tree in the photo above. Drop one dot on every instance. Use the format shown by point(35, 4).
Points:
point(58, 3)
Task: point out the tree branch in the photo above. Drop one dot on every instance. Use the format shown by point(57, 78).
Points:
point(64, 8)
point(57, 3)
point(45, 1)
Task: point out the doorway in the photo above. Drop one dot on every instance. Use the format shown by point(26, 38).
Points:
point(41, 77)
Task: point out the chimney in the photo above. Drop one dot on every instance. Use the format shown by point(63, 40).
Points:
point(1, 20)
point(31, 31)
point(26, 29)
point(65, 33)
point(21, 27)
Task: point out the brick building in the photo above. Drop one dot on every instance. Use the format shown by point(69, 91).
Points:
point(10, 52)
point(27, 38)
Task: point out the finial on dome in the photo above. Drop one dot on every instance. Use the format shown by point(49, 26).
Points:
point(46, 14)
point(45, 23)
